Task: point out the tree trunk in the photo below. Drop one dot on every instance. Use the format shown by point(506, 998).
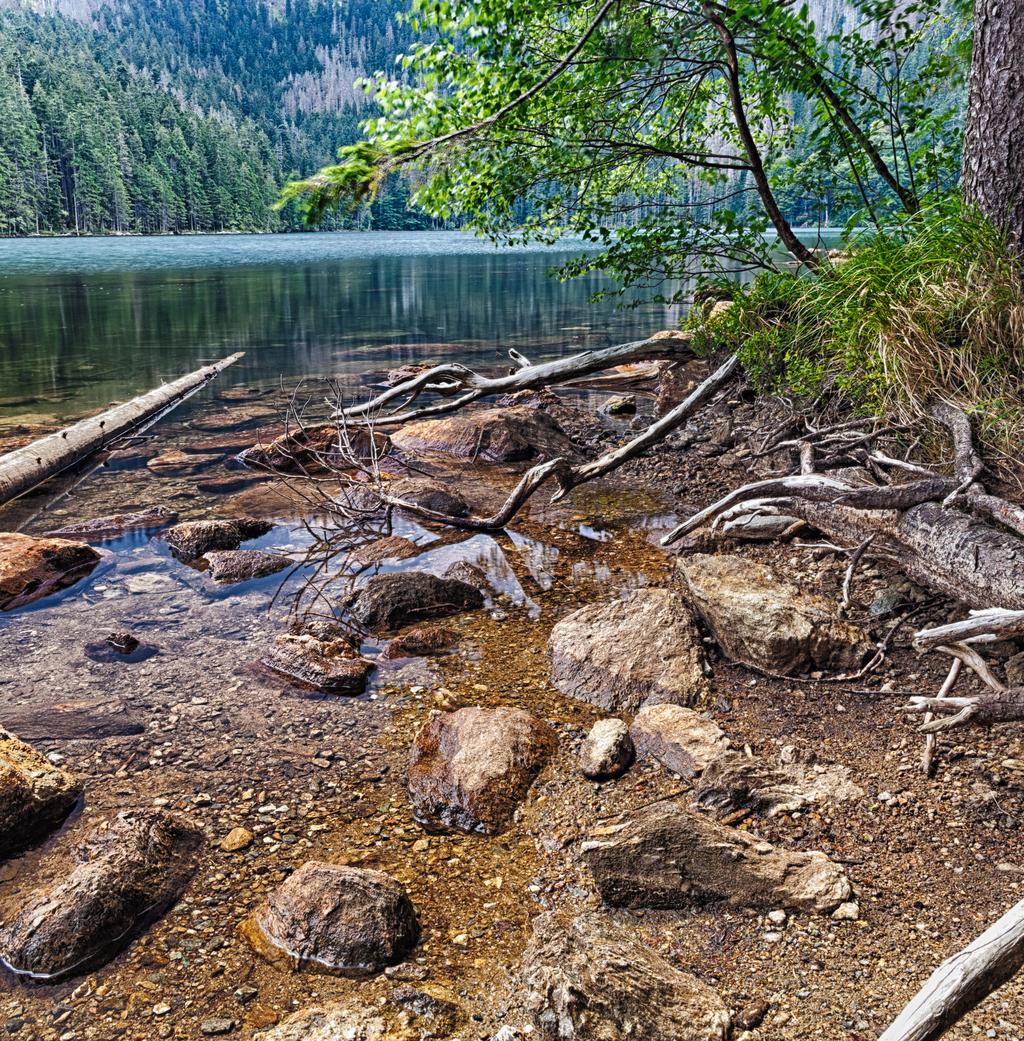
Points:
point(994, 137)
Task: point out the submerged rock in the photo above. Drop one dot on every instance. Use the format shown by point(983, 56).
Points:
point(620, 405)
point(315, 449)
point(391, 547)
point(666, 856)
point(759, 618)
point(32, 568)
point(682, 740)
point(35, 796)
point(592, 978)
point(623, 654)
point(181, 464)
point(322, 656)
point(192, 539)
point(471, 768)
point(86, 720)
point(607, 751)
point(343, 921)
point(388, 602)
point(494, 435)
point(116, 525)
point(422, 641)
point(243, 565)
point(130, 870)
point(429, 495)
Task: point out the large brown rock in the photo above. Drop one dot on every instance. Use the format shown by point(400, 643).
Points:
point(32, 568)
point(391, 601)
point(129, 871)
point(594, 980)
point(493, 435)
point(191, 539)
point(666, 856)
point(682, 740)
point(429, 495)
point(344, 921)
point(471, 768)
point(623, 654)
point(34, 795)
point(322, 656)
point(760, 618)
point(116, 525)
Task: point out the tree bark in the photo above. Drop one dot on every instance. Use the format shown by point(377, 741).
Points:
point(993, 173)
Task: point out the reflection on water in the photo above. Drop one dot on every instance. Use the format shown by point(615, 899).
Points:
point(87, 322)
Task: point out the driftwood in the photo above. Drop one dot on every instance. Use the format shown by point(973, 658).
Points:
point(28, 467)
point(963, 980)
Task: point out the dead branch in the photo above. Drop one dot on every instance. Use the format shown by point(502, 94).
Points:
point(981, 627)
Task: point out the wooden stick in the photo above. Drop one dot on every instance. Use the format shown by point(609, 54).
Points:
point(931, 740)
point(963, 980)
point(26, 468)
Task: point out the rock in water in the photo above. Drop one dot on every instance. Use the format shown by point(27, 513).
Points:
point(118, 524)
point(593, 979)
point(608, 750)
point(344, 921)
point(666, 856)
point(129, 871)
point(391, 547)
point(321, 656)
point(429, 495)
point(421, 641)
point(623, 654)
point(493, 435)
point(388, 602)
point(471, 768)
point(34, 795)
point(192, 539)
point(243, 565)
point(91, 720)
point(33, 568)
point(316, 449)
point(758, 617)
point(620, 405)
point(682, 740)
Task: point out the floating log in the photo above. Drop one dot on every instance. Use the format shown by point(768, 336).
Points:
point(28, 467)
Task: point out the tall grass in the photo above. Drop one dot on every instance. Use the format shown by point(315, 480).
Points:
point(932, 311)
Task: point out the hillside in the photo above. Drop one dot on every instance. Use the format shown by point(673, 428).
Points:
point(181, 115)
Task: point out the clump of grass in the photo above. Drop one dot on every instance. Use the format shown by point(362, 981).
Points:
point(931, 311)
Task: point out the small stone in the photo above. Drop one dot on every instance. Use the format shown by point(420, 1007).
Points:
point(608, 750)
point(751, 1016)
point(777, 917)
point(847, 912)
point(246, 994)
point(236, 840)
point(162, 1009)
point(216, 1027)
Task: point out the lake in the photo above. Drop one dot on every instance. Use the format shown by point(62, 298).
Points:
point(87, 321)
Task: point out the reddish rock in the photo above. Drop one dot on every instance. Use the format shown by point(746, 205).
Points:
point(496, 435)
point(321, 656)
point(326, 918)
point(31, 568)
point(471, 768)
point(34, 795)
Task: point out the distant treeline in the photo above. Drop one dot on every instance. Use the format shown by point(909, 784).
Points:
point(184, 115)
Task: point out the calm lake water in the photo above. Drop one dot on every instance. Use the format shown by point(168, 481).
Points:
point(87, 321)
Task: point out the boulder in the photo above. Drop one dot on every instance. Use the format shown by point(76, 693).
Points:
point(32, 568)
point(759, 618)
point(129, 870)
point(624, 654)
point(326, 918)
point(116, 525)
point(391, 547)
point(429, 494)
point(391, 601)
point(471, 768)
point(682, 740)
point(421, 641)
point(34, 795)
point(493, 435)
point(322, 656)
point(666, 856)
point(315, 449)
point(243, 565)
point(620, 405)
point(592, 979)
point(734, 782)
point(607, 751)
point(192, 539)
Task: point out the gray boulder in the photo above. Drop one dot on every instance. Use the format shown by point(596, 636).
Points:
point(243, 565)
point(624, 654)
point(322, 656)
point(191, 539)
point(682, 740)
point(342, 921)
point(592, 979)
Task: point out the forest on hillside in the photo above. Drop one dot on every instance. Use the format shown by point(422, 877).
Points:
point(182, 116)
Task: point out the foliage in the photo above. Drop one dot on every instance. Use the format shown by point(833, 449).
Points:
point(618, 122)
point(932, 309)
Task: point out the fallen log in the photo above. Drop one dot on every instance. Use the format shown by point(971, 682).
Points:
point(963, 981)
point(28, 467)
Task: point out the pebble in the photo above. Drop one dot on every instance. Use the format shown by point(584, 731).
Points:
point(848, 912)
point(216, 1027)
point(236, 840)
